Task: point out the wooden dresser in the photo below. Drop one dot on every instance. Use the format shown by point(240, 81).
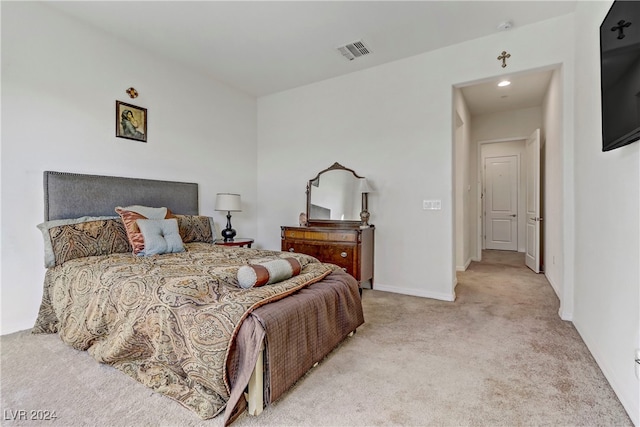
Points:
point(348, 247)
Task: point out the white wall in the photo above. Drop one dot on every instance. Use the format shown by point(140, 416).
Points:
point(60, 81)
point(552, 191)
point(607, 226)
point(464, 181)
point(392, 124)
point(506, 124)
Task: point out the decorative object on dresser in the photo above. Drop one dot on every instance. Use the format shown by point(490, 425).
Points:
point(332, 197)
point(231, 203)
point(337, 229)
point(365, 189)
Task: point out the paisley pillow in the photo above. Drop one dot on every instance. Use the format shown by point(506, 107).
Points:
point(196, 228)
point(68, 239)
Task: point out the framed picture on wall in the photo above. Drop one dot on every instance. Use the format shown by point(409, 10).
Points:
point(131, 122)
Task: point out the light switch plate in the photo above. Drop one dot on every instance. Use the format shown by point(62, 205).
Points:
point(432, 205)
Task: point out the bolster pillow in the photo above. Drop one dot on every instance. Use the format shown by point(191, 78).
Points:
point(266, 273)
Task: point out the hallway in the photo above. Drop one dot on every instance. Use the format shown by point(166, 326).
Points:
point(513, 325)
point(502, 278)
point(511, 258)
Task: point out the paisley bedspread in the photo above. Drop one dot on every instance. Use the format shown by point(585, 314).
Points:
point(166, 320)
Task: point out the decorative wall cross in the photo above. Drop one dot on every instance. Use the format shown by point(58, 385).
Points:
point(620, 28)
point(132, 92)
point(503, 57)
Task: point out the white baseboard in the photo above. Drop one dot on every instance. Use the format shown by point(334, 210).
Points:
point(562, 312)
point(416, 292)
point(554, 286)
point(629, 402)
point(465, 266)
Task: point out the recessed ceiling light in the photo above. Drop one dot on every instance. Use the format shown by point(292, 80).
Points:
point(504, 83)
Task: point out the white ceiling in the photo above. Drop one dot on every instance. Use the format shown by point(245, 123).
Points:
point(264, 47)
point(525, 90)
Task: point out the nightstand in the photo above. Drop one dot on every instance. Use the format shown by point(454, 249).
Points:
point(235, 242)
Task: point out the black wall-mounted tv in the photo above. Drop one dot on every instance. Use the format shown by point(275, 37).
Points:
point(620, 74)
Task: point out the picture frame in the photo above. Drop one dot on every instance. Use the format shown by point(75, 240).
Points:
point(131, 122)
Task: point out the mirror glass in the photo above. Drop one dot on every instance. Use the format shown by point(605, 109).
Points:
point(333, 195)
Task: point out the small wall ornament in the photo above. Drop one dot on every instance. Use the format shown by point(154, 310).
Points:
point(132, 92)
point(503, 57)
point(620, 28)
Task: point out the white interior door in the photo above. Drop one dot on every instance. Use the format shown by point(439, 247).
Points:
point(532, 234)
point(501, 203)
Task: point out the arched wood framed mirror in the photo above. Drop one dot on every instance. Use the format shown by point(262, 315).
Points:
point(335, 198)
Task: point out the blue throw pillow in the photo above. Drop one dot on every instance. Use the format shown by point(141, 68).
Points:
point(161, 236)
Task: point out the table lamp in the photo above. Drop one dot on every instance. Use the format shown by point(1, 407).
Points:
point(231, 203)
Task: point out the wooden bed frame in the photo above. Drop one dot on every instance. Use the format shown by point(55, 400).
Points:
point(71, 195)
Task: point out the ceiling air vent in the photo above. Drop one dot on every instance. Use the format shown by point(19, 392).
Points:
point(354, 50)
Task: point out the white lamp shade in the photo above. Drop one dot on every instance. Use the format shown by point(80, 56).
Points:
point(364, 187)
point(228, 202)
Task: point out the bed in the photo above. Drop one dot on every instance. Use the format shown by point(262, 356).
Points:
point(183, 323)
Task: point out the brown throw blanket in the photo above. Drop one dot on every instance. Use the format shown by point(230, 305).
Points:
point(167, 320)
point(300, 331)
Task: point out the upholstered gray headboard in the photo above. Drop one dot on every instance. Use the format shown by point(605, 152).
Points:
point(71, 195)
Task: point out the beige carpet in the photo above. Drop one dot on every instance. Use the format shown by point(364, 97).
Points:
point(497, 356)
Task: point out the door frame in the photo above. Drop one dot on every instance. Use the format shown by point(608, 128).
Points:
point(480, 192)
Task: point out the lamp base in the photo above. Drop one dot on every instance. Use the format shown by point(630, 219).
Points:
point(228, 234)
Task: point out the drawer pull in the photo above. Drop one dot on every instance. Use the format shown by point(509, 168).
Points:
point(292, 250)
point(343, 254)
point(344, 269)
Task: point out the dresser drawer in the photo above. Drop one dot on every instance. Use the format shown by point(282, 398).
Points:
point(341, 255)
point(322, 236)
